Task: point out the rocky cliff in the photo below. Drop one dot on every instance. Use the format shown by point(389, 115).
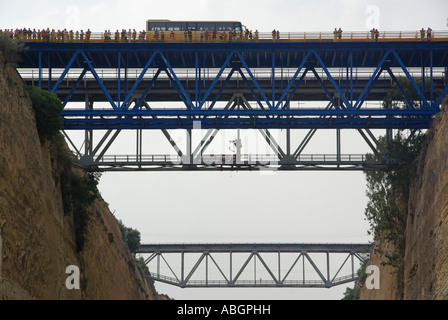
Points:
point(37, 237)
point(425, 274)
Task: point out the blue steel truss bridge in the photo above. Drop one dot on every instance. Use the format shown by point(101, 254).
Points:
point(282, 90)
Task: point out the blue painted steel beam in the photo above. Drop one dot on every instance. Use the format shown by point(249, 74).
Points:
point(252, 91)
point(72, 90)
point(397, 53)
point(294, 77)
point(338, 90)
point(143, 96)
point(372, 80)
point(189, 103)
point(97, 78)
point(221, 70)
point(223, 85)
point(67, 68)
point(403, 93)
point(329, 96)
point(254, 80)
point(137, 82)
point(411, 79)
point(375, 48)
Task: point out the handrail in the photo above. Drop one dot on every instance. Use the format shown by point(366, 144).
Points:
point(184, 74)
point(240, 282)
point(201, 36)
point(230, 158)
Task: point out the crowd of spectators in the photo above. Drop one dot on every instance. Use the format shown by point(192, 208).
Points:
point(129, 35)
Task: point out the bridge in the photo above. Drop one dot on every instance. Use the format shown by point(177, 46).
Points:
point(254, 265)
point(281, 89)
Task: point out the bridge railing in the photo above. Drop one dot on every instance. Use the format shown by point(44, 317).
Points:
point(198, 36)
point(252, 283)
point(186, 75)
point(230, 158)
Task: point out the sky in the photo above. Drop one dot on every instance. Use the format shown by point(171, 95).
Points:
point(232, 207)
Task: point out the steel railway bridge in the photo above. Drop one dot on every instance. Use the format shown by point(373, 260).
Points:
point(283, 90)
point(235, 265)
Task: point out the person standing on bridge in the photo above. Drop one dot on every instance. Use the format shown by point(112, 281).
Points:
point(428, 34)
point(422, 34)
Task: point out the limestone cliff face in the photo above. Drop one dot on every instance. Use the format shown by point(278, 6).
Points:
point(37, 239)
point(426, 254)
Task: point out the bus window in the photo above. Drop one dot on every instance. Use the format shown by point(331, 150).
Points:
point(206, 26)
point(227, 26)
point(191, 26)
point(237, 27)
point(174, 26)
point(156, 25)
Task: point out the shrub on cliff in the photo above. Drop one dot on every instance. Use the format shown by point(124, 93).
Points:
point(47, 108)
point(78, 194)
point(11, 49)
point(130, 236)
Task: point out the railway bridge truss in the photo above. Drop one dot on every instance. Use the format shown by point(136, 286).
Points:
point(254, 265)
point(151, 99)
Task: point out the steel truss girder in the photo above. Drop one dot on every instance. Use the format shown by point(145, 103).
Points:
point(281, 271)
point(280, 96)
point(198, 160)
point(346, 107)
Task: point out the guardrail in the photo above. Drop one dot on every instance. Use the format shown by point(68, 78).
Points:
point(184, 74)
point(253, 283)
point(202, 36)
point(229, 158)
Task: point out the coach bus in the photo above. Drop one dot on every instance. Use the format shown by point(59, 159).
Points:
point(168, 25)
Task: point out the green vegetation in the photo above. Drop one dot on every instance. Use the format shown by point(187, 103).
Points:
point(130, 236)
point(11, 50)
point(388, 195)
point(354, 293)
point(388, 191)
point(47, 108)
point(78, 193)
